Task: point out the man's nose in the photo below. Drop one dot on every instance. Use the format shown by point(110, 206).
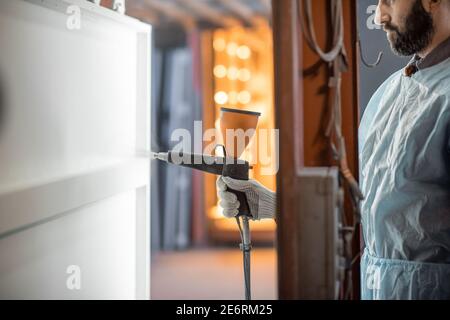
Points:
point(381, 16)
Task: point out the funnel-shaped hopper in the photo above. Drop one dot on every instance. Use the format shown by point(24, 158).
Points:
point(237, 128)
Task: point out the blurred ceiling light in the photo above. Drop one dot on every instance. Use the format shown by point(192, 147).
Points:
point(243, 52)
point(244, 75)
point(221, 98)
point(233, 73)
point(233, 98)
point(220, 71)
point(219, 44)
point(232, 48)
point(244, 97)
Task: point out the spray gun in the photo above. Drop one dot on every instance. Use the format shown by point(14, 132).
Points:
point(228, 166)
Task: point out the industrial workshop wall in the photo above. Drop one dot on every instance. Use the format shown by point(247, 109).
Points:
point(74, 195)
point(241, 76)
point(303, 100)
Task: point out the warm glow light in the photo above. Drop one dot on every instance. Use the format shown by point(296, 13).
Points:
point(244, 97)
point(244, 75)
point(221, 98)
point(233, 73)
point(244, 52)
point(232, 48)
point(233, 97)
point(216, 213)
point(219, 44)
point(220, 71)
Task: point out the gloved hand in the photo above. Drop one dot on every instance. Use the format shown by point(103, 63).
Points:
point(261, 201)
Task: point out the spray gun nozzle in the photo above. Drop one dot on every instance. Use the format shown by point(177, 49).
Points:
point(163, 156)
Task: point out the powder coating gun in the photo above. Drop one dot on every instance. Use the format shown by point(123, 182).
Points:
point(228, 166)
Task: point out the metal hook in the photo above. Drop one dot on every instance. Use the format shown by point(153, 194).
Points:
point(368, 65)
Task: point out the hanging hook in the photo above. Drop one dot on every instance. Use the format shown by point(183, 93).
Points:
point(368, 65)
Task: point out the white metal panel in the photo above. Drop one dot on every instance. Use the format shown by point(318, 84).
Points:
point(71, 187)
point(67, 91)
point(49, 200)
point(99, 239)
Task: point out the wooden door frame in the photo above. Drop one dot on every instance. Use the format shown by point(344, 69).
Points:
point(300, 112)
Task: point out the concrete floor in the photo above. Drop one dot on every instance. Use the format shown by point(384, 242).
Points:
point(212, 275)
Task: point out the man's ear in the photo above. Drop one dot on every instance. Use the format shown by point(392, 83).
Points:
point(434, 4)
point(431, 5)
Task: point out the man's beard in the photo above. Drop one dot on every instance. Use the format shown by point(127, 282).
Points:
point(419, 31)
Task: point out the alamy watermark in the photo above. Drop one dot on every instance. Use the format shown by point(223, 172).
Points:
point(372, 12)
point(73, 21)
point(258, 147)
point(74, 17)
point(73, 281)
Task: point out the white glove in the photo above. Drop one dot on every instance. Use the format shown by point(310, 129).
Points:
point(261, 201)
